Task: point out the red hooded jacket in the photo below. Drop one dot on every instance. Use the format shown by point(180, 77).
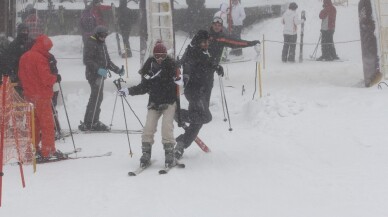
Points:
point(328, 15)
point(34, 70)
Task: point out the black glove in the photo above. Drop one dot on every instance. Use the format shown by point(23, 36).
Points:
point(304, 18)
point(121, 71)
point(253, 43)
point(220, 71)
point(59, 78)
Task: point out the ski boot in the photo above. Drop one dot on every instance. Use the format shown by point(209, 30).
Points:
point(99, 126)
point(169, 155)
point(84, 126)
point(179, 149)
point(145, 159)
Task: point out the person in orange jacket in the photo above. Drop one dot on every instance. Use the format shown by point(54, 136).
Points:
point(37, 82)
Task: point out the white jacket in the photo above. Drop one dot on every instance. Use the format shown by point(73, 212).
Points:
point(238, 15)
point(290, 21)
point(223, 13)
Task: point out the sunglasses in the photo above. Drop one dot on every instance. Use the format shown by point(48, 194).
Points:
point(218, 20)
point(160, 56)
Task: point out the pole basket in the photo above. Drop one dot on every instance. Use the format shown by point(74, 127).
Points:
point(17, 121)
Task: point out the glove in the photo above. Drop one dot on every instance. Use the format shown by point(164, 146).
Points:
point(103, 72)
point(220, 71)
point(253, 43)
point(123, 92)
point(59, 78)
point(121, 71)
point(304, 18)
point(178, 81)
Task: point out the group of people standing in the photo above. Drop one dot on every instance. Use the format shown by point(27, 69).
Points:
point(291, 20)
point(160, 76)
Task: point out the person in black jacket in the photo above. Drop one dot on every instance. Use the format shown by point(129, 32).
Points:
point(198, 74)
point(158, 80)
point(97, 61)
point(124, 20)
point(22, 43)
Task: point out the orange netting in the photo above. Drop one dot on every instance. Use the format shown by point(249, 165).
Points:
point(18, 127)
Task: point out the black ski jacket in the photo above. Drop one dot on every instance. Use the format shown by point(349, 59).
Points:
point(96, 56)
point(124, 19)
point(12, 55)
point(158, 81)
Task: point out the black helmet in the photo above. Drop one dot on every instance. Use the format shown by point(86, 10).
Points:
point(101, 31)
point(96, 2)
point(293, 6)
point(199, 37)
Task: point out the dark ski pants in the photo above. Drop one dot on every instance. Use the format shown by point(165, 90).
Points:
point(54, 101)
point(289, 47)
point(197, 115)
point(328, 49)
point(127, 46)
point(236, 34)
point(95, 100)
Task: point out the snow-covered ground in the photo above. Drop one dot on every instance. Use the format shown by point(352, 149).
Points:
point(314, 145)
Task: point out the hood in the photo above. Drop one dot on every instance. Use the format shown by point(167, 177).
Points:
point(327, 3)
point(223, 7)
point(43, 44)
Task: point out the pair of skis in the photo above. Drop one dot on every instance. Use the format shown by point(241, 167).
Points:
point(163, 171)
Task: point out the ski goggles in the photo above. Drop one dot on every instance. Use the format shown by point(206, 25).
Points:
point(218, 20)
point(160, 56)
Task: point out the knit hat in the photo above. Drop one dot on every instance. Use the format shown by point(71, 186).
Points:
point(21, 28)
point(160, 48)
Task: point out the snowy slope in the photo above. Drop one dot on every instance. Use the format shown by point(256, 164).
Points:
point(314, 145)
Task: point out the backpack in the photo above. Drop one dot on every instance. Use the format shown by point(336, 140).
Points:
point(88, 20)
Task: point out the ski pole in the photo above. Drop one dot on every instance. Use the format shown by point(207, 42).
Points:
point(222, 98)
point(313, 56)
point(67, 117)
point(118, 85)
point(226, 105)
point(134, 113)
point(113, 113)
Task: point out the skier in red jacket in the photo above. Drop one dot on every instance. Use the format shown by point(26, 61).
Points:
point(328, 16)
point(37, 82)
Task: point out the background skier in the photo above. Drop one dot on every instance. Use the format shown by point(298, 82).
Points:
point(238, 17)
point(290, 21)
point(97, 61)
point(124, 21)
point(33, 22)
point(328, 16)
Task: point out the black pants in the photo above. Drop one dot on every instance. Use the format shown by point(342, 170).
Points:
point(289, 47)
point(236, 34)
point(197, 115)
point(127, 46)
point(54, 101)
point(328, 49)
point(95, 100)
